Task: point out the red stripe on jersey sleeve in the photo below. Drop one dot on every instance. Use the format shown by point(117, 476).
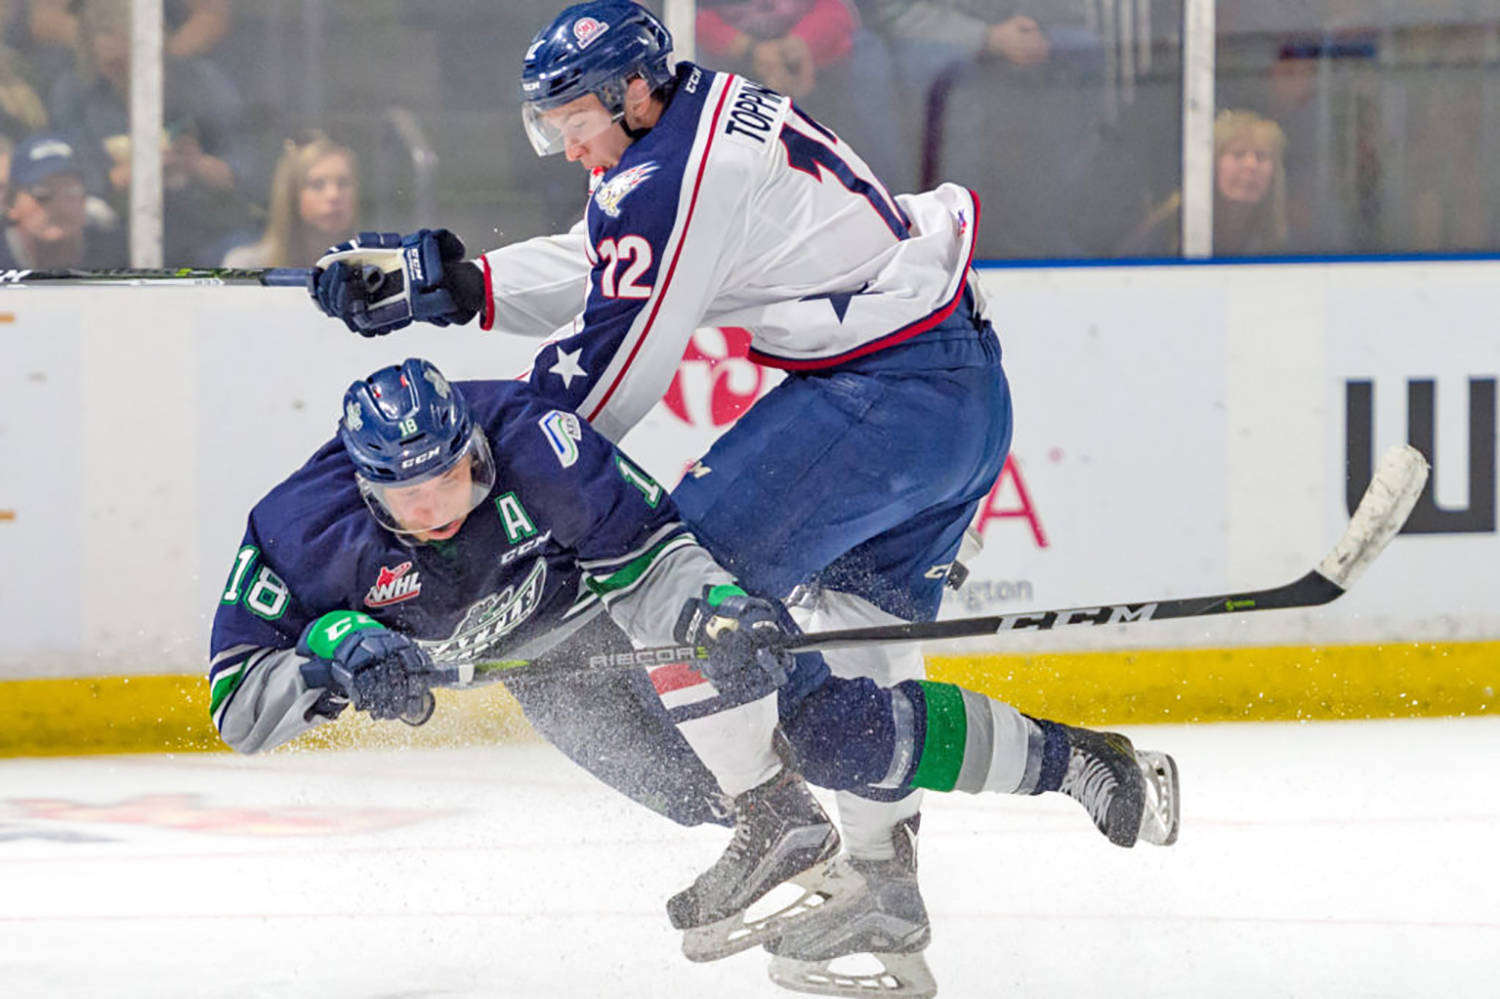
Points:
point(664, 285)
point(487, 319)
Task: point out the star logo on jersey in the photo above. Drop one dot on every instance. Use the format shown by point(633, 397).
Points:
point(567, 367)
point(839, 300)
point(587, 30)
point(439, 383)
point(354, 417)
point(393, 586)
point(613, 191)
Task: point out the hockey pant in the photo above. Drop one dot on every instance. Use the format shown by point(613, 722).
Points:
point(862, 479)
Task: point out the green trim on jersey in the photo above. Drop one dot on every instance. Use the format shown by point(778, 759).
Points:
point(947, 733)
point(224, 685)
point(631, 572)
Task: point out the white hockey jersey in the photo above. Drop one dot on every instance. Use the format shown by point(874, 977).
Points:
point(736, 209)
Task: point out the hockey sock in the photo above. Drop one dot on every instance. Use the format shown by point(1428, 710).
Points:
point(736, 744)
point(867, 824)
point(965, 741)
point(1054, 761)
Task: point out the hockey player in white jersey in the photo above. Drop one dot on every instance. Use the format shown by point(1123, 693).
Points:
point(717, 202)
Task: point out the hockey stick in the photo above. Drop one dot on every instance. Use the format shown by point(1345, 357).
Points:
point(1383, 509)
point(276, 277)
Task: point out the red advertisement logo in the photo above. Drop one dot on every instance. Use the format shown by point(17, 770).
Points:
point(716, 380)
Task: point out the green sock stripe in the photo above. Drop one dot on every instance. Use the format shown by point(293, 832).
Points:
point(947, 731)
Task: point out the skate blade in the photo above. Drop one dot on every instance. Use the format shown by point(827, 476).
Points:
point(903, 976)
point(738, 932)
point(1163, 814)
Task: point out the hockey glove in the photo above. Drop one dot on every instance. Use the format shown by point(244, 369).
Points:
point(745, 641)
point(380, 281)
point(376, 669)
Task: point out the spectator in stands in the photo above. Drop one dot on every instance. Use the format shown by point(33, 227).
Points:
point(21, 110)
point(47, 31)
point(47, 212)
point(1001, 95)
point(816, 52)
point(208, 157)
point(1313, 71)
point(314, 196)
point(1249, 194)
point(781, 43)
point(6, 148)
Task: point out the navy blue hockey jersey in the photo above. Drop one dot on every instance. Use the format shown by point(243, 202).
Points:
point(570, 528)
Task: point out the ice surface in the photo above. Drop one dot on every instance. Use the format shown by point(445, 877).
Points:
point(1323, 860)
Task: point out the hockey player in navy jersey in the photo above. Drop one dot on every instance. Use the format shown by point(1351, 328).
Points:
point(450, 523)
point(718, 202)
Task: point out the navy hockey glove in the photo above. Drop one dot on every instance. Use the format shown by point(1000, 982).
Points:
point(380, 281)
point(376, 669)
point(747, 658)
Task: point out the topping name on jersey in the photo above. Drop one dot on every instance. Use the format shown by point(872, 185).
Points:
point(754, 111)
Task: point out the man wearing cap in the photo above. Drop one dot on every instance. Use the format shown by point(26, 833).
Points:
point(47, 213)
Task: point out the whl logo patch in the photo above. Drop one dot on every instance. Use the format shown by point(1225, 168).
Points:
point(394, 586)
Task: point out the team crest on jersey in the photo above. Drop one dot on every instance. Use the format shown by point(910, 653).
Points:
point(393, 586)
point(563, 432)
point(491, 619)
point(613, 191)
point(587, 30)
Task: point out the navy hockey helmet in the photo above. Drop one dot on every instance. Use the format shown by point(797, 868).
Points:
point(591, 48)
point(407, 425)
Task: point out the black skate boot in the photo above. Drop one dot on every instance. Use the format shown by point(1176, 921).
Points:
point(875, 909)
point(781, 834)
point(1105, 778)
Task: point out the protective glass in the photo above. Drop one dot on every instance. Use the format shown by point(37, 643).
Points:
point(433, 501)
point(552, 129)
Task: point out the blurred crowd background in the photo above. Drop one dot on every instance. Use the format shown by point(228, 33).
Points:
point(1342, 126)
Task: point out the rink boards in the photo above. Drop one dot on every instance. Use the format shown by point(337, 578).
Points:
point(1179, 430)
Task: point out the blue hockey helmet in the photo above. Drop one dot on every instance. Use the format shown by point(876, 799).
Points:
point(406, 426)
point(591, 48)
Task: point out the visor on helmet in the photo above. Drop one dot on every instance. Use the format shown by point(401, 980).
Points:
point(550, 129)
point(427, 504)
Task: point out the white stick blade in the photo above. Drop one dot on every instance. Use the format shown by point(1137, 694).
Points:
point(1383, 509)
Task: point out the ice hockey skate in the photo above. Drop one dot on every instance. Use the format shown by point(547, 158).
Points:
point(884, 919)
point(781, 834)
point(1129, 795)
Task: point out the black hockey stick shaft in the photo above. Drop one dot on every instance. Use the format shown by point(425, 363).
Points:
point(1387, 502)
point(1309, 591)
point(275, 277)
